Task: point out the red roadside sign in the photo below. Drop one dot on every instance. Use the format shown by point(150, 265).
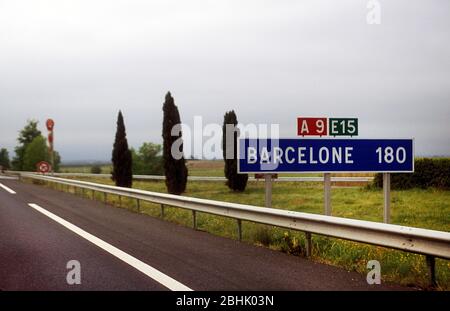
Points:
point(312, 126)
point(50, 124)
point(43, 167)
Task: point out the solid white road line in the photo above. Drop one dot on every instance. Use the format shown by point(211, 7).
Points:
point(7, 189)
point(132, 261)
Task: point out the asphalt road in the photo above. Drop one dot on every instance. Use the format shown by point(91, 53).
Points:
point(121, 250)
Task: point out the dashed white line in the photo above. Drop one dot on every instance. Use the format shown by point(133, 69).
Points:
point(7, 189)
point(151, 272)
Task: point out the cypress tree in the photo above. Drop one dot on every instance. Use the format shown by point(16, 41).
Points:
point(121, 157)
point(175, 168)
point(235, 181)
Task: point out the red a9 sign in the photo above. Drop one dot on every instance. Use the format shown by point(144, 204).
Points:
point(312, 126)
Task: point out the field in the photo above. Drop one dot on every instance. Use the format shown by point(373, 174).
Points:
point(196, 168)
point(106, 169)
point(417, 207)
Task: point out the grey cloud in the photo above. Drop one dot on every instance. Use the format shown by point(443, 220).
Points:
point(81, 61)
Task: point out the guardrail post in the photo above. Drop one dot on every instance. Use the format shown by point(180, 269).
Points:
point(120, 201)
point(431, 264)
point(327, 193)
point(308, 244)
point(82, 192)
point(268, 183)
point(93, 195)
point(239, 223)
point(162, 211)
point(105, 198)
point(194, 219)
point(138, 204)
point(387, 197)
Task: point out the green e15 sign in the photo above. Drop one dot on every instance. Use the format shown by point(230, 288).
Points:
point(343, 126)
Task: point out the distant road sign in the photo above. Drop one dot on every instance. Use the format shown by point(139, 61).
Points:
point(325, 155)
point(50, 124)
point(312, 126)
point(43, 167)
point(343, 126)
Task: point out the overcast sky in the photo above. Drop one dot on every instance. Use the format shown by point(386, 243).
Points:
point(79, 62)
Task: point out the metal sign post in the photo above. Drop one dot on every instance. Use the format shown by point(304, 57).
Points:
point(50, 124)
point(327, 193)
point(268, 184)
point(387, 197)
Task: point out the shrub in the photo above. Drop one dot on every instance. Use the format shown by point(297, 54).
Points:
point(35, 152)
point(147, 160)
point(291, 245)
point(96, 169)
point(427, 173)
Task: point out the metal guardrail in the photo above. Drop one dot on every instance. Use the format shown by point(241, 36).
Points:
point(415, 240)
point(215, 178)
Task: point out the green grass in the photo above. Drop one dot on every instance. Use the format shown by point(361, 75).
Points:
point(417, 208)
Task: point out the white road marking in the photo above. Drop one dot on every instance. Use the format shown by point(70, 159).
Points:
point(151, 272)
point(7, 189)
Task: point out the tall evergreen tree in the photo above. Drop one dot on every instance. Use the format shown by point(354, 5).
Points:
point(26, 136)
point(121, 157)
point(235, 181)
point(174, 164)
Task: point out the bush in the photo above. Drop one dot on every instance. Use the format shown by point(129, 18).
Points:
point(291, 245)
point(35, 152)
point(147, 160)
point(96, 169)
point(427, 173)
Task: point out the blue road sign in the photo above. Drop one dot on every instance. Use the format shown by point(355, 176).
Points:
point(325, 155)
